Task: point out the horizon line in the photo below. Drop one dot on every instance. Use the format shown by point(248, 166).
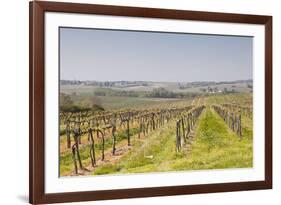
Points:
point(159, 81)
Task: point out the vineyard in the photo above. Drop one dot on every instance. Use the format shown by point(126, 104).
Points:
point(207, 132)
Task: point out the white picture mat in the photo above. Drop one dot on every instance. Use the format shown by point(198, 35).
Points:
point(54, 184)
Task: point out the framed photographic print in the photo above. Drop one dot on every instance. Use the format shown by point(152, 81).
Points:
point(139, 102)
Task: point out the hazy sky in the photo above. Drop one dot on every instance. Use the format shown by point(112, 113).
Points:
point(106, 55)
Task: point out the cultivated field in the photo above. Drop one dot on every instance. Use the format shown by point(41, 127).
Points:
point(144, 133)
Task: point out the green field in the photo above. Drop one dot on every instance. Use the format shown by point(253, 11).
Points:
point(115, 102)
point(213, 146)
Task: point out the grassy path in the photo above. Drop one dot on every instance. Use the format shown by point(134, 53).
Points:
point(216, 146)
point(147, 155)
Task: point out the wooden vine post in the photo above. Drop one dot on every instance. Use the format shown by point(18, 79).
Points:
point(128, 132)
point(103, 143)
point(233, 120)
point(78, 123)
point(92, 147)
point(183, 130)
point(185, 124)
point(75, 151)
point(67, 131)
point(153, 121)
point(113, 124)
point(178, 144)
point(240, 127)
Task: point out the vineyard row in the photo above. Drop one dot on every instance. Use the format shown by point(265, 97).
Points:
point(108, 124)
point(233, 120)
point(184, 126)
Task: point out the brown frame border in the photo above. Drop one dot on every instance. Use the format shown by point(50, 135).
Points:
point(37, 95)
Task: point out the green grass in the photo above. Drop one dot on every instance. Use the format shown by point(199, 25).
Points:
point(159, 145)
point(245, 99)
point(216, 147)
point(114, 102)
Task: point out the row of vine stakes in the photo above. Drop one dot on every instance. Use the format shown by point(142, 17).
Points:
point(146, 122)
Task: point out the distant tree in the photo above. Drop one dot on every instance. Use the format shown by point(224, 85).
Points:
point(250, 86)
point(161, 93)
point(210, 90)
point(203, 90)
point(95, 100)
point(100, 93)
point(91, 103)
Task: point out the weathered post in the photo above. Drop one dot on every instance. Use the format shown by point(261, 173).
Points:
point(177, 137)
point(153, 121)
point(114, 139)
point(68, 139)
point(140, 127)
point(240, 127)
point(92, 148)
point(76, 137)
point(183, 130)
point(74, 158)
point(128, 132)
point(103, 143)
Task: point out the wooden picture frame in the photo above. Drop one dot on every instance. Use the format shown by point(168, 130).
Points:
point(37, 98)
